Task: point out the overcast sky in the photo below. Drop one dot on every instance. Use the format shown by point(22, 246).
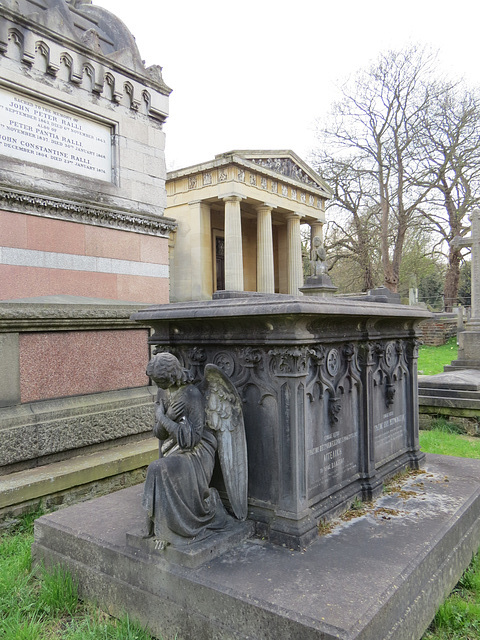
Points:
point(255, 74)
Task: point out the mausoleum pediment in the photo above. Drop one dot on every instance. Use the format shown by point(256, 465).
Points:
point(286, 163)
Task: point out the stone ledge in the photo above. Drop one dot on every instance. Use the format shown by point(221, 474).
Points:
point(52, 478)
point(31, 432)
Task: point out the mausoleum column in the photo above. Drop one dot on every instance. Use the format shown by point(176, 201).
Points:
point(200, 252)
point(294, 245)
point(316, 229)
point(233, 244)
point(265, 272)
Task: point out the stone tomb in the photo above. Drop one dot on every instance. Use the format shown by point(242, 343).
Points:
point(329, 392)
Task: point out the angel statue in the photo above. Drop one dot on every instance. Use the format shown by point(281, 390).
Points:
point(192, 423)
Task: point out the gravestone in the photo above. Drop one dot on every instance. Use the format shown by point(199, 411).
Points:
point(82, 238)
point(330, 410)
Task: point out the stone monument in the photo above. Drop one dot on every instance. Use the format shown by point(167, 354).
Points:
point(469, 339)
point(328, 391)
point(83, 242)
point(319, 282)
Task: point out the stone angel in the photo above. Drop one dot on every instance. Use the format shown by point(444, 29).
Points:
point(192, 423)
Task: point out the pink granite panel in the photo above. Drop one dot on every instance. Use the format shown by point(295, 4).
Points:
point(139, 289)
point(13, 229)
point(154, 249)
point(27, 282)
point(59, 364)
point(112, 243)
point(45, 234)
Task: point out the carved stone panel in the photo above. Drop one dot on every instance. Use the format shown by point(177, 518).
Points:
point(389, 393)
point(333, 419)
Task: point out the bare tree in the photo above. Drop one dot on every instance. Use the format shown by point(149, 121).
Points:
point(376, 131)
point(352, 228)
point(452, 144)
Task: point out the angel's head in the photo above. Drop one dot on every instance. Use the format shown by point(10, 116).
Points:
point(166, 371)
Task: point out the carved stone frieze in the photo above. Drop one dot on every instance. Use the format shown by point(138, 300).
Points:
point(334, 372)
point(289, 361)
point(286, 167)
point(86, 214)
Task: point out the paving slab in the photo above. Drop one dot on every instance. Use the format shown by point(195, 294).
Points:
point(380, 576)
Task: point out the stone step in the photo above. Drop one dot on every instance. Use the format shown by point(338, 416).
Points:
point(31, 484)
point(452, 394)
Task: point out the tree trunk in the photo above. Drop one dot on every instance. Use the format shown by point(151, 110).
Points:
point(450, 290)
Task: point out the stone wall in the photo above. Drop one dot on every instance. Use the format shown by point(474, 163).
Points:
point(83, 243)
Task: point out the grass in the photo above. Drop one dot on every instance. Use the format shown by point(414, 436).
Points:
point(458, 618)
point(431, 360)
point(449, 444)
point(41, 604)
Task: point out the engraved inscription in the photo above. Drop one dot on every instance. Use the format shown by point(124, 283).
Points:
point(36, 132)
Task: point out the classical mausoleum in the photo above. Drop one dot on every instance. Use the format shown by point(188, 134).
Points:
point(239, 219)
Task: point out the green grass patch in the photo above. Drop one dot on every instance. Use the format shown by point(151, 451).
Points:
point(431, 360)
point(449, 444)
point(458, 618)
point(44, 604)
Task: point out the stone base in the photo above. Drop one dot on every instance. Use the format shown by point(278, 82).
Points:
point(320, 285)
point(453, 393)
point(199, 551)
point(382, 575)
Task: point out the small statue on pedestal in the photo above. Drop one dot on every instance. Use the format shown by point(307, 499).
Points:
point(318, 262)
point(319, 282)
point(191, 426)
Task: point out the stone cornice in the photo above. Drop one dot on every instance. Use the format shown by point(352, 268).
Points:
point(19, 317)
point(40, 205)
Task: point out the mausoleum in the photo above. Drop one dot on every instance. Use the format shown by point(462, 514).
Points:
point(239, 219)
point(83, 242)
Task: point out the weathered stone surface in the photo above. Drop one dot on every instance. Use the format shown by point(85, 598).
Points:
point(31, 432)
point(453, 393)
point(381, 576)
point(55, 478)
point(329, 393)
point(9, 370)
point(462, 380)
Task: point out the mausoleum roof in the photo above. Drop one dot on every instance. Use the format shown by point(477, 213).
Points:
point(88, 26)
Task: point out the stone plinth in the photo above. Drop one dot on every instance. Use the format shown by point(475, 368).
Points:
point(321, 285)
point(329, 391)
point(379, 576)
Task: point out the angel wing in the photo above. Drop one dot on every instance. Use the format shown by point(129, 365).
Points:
point(223, 413)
